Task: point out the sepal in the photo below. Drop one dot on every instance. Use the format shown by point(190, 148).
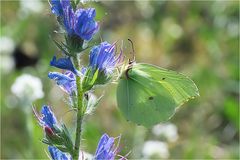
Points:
point(91, 102)
point(59, 137)
point(89, 79)
point(102, 78)
point(63, 47)
point(74, 43)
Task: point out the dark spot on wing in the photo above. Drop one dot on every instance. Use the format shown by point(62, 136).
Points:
point(150, 98)
point(163, 78)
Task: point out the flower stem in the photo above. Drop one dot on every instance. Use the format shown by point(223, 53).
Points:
point(79, 112)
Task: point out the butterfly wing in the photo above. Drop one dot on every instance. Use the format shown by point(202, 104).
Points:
point(148, 94)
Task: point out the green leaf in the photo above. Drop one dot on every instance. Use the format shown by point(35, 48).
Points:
point(89, 79)
point(147, 94)
point(62, 148)
point(67, 139)
point(60, 47)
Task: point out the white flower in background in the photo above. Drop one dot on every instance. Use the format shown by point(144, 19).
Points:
point(167, 130)
point(6, 64)
point(28, 88)
point(155, 149)
point(30, 6)
point(7, 46)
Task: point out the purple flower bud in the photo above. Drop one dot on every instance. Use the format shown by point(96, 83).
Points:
point(56, 154)
point(63, 63)
point(106, 148)
point(48, 131)
point(66, 81)
point(47, 118)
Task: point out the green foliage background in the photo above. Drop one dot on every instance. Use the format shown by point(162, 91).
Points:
point(199, 39)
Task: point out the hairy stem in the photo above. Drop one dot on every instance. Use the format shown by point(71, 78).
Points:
point(80, 113)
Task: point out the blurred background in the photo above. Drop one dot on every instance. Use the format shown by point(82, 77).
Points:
point(199, 39)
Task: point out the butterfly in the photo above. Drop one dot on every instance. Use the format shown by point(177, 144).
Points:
point(148, 94)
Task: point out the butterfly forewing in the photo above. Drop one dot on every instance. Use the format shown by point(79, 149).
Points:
point(178, 85)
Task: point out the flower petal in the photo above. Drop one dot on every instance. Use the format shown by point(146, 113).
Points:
point(48, 118)
point(63, 63)
point(66, 81)
point(85, 25)
point(105, 149)
point(56, 154)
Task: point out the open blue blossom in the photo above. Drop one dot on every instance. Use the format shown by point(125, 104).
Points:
point(47, 118)
point(63, 63)
point(106, 148)
point(66, 81)
point(86, 26)
point(80, 23)
point(56, 154)
point(64, 11)
point(103, 58)
point(68, 17)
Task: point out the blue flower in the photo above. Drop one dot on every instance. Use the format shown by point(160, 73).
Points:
point(63, 63)
point(85, 25)
point(66, 81)
point(56, 154)
point(80, 23)
point(68, 17)
point(47, 118)
point(106, 148)
point(103, 58)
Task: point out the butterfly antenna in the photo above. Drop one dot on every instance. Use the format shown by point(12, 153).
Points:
point(131, 61)
point(133, 52)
